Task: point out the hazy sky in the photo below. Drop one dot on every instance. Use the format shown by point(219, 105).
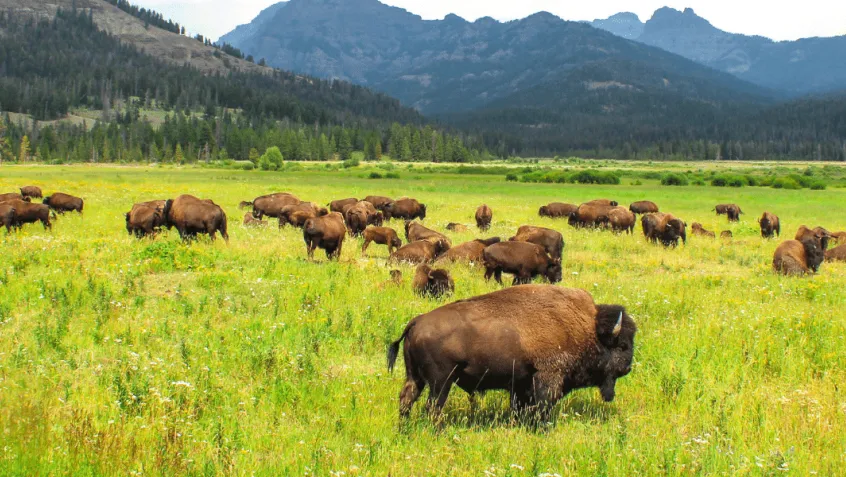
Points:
point(786, 20)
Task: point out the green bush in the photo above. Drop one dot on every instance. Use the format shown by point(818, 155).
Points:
point(818, 185)
point(392, 175)
point(673, 179)
point(511, 177)
point(699, 182)
point(375, 175)
point(786, 183)
point(272, 159)
point(595, 177)
point(349, 163)
point(729, 180)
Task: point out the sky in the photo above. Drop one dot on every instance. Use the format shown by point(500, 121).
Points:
point(785, 20)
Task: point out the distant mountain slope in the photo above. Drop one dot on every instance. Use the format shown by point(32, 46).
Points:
point(804, 66)
point(451, 65)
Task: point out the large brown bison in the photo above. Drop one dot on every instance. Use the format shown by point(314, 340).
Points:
point(380, 202)
point(192, 216)
point(795, 257)
point(61, 203)
point(591, 215)
point(270, 205)
point(432, 282)
point(820, 234)
point(29, 213)
point(145, 219)
point(664, 228)
point(622, 220)
point(338, 205)
point(550, 240)
point(557, 210)
point(360, 215)
point(13, 196)
point(524, 260)
point(472, 251)
point(643, 207)
point(405, 209)
point(298, 214)
point(538, 342)
point(32, 192)
point(326, 232)
point(837, 254)
point(731, 210)
point(382, 236)
point(422, 251)
point(605, 202)
point(7, 216)
point(484, 216)
point(697, 229)
point(415, 231)
point(770, 225)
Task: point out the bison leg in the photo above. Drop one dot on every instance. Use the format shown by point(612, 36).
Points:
point(488, 273)
point(367, 244)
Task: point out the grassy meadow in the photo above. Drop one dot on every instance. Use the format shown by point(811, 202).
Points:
point(152, 357)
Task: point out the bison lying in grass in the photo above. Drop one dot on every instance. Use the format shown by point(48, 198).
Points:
point(538, 342)
point(432, 282)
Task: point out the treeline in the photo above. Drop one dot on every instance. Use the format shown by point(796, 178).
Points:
point(150, 17)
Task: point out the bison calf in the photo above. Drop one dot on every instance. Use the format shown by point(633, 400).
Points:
point(472, 251)
point(251, 221)
point(432, 282)
point(538, 342)
point(422, 251)
point(523, 260)
point(382, 236)
point(697, 229)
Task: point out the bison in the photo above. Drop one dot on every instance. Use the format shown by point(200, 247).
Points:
point(61, 203)
point(538, 342)
point(838, 237)
point(472, 251)
point(770, 225)
point(726, 235)
point(795, 257)
point(381, 203)
point(251, 221)
point(422, 251)
point(664, 228)
point(522, 259)
point(591, 215)
point(457, 228)
point(432, 282)
point(406, 209)
point(326, 232)
point(29, 213)
point(817, 233)
point(643, 207)
point(13, 196)
point(415, 231)
point(484, 216)
point(837, 254)
point(557, 210)
point(697, 229)
point(191, 216)
point(621, 220)
point(338, 205)
point(731, 210)
point(603, 202)
point(271, 205)
point(32, 192)
point(7, 216)
point(550, 240)
point(382, 236)
point(143, 220)
point(297, 214)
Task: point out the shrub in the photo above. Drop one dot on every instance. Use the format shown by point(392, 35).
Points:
point(786, 183)
point(595, 177)
point(350, 163)
point(699, 182)
point(375, 175)
point(511, 177)
point(818, 185)
point(729, 180)
point(392, 175)
point(673, 179)
point(272, 159)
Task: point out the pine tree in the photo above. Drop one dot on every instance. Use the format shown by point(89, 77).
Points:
point(377, 149)
point(345, 146)
point(5, 146)
point(23, 156)
point(254, 155)
point(178, 157)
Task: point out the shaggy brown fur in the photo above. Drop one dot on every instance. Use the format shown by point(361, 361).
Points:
point(538, 342)
point(837, 254)
point(326, 232)
point(524, 260)
point(29, 213)
point(838, 237)
point(7, 217)
point(251, 221)
point(798, 258)
point(432, 282)
point(472, 251)
point(271, 205)
point(697, 229)
point(415, 231)
point(770, 225)
point(382, 236)
point(457, 228)
point(13, 196)
point(603, 202)
point(591, 215)
point(61, 203)
point(145, 220)
point(338, 205)
point(422, 251)
point(557, 210)
point(622, 220)
point(406, 209)
point(484, 216)
point(31, 191)
point(643, 207)
point(191, 216)
point(381, 203)
point(550, 240)
point(664, 228)
point(731, 210)
point(818, 233)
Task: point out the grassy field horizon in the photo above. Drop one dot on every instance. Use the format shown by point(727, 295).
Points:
point(125, 356)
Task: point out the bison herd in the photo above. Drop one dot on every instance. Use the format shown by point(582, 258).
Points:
point(17, 209)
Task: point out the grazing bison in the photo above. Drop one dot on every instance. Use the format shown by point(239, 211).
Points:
point(143, 220)
point(472, 251)
point(837, 254)
point(726, 234)
point(550, 240)
point(591, 215)
point(338, 205)
point(484, 216)
point(13, 196)
point(251, 221)
point(422, 251)
point(406, 209)
point(697, 229)
point(770, 225)
point(603, 202)
point(29, 213)
point(31, 191)
point(622, 220)
point(457, 228)
point(731, 210)
point(415, 231)
point(381, 203)
point(326, 232)
point(356, 220)
point(557, 210)
point(382, 236)
point(432, 282)
point(297, 214)
point(817, 233)
point(664, 228)
point(192, 216)
point(643, 207)
point(61, 203)
point(522, 259)
point(795, 257)
point(538, 342)
point(7, 216)
point(271, 205)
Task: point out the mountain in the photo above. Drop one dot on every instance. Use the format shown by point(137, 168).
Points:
point(812, 65)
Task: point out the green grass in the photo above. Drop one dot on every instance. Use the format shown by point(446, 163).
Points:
point(120, 356)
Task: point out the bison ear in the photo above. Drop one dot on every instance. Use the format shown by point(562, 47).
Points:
point(619, 326)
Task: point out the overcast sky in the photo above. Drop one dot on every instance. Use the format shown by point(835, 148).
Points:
point(785, 20)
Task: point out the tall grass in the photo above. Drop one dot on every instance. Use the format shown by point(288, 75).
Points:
point(120, 356)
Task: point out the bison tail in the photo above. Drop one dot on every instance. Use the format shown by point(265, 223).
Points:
point(393, 348)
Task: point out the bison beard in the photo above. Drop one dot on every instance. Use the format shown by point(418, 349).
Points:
point(538, 342)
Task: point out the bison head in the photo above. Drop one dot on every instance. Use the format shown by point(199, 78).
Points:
point(378, 219)
point(440, 282)
point(553, 271)
point(323, 211)
point(128, 228)
point(814, 254)
point(422, 213)
point(615, 331)
point(441, 247)
point(543, 211)
point(45, 201)
point(167, 222)
point(396, 242)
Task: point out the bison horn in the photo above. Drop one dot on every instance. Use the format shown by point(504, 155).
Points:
point(619, 326)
